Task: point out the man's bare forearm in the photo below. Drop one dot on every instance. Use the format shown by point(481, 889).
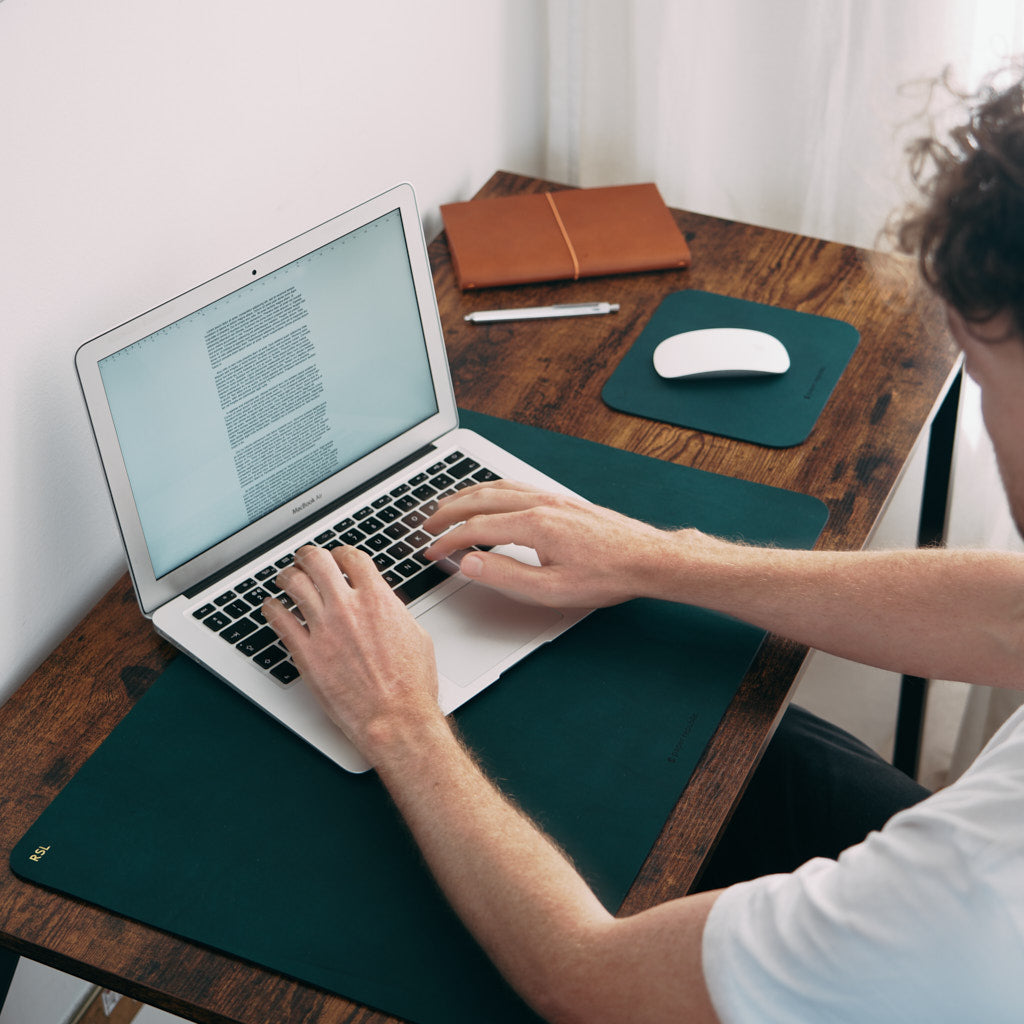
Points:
point(935, 613)
point(526, 904)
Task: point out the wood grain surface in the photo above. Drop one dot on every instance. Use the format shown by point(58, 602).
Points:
point(549, 374)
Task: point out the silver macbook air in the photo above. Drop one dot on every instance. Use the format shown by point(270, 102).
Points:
point(303, 397)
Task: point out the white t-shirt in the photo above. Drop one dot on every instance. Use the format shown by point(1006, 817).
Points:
point(923, 921)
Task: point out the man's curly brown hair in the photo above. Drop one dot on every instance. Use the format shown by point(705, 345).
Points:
point(968, 233)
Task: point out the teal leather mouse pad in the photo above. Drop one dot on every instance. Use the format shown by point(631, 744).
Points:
point(778, 411)
point(201, 816)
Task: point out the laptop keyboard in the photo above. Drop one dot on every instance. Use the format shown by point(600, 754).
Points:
point(389, 529)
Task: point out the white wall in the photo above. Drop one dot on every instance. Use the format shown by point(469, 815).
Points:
point(148, 146)
point(40, 995)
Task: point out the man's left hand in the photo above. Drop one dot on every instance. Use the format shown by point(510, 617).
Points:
point(361, 653)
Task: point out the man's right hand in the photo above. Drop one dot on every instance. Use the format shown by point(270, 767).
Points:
point(589, 556)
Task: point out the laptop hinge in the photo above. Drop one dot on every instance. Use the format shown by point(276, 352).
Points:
point(320, 513)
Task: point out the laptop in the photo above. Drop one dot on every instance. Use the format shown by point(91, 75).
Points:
point(302, 397)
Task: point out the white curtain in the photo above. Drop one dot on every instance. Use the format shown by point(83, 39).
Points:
point(791, 114)
point(786, 113)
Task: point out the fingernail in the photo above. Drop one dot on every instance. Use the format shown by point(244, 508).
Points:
point(471, 565)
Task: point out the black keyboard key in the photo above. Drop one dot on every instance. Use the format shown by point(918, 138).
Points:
point(418, 539)
point(371, 525)
point(345, 524)
point(453, 458)
point(392, 579)
point(353, 536)
point(257, 597)
point(442, 480)
point(388, 515)
point(217, 621)
point(435, 468)
point(414, 519)
point(383, 561)
point(237, 609)
point(484, 476)
point(245, 585)
point(265, 574)
point(323, 538)
point(463, 468)
point(285, 672)
point(269, 657)
point(224, 598)
point(420, 584)
point(424, 491)
point(284, 561)
point(378, 542)
point(419, 478)
point(406, 503)
point(381, 501)
point(399, 490)
point(363, 513)
point(407, 568)
point(400, 550)
point(396, 530)
point(201, 613)
point(238, 630)
point(255, 642)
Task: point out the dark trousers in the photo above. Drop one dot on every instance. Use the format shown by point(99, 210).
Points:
point(817, 791)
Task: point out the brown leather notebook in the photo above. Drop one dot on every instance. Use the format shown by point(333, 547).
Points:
point(569, 234)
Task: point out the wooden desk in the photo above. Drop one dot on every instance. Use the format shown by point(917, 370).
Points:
point(550, 374)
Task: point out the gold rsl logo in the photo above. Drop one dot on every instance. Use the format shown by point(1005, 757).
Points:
point(39, 854)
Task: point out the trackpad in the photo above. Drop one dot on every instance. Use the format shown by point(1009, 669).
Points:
point(477, 628)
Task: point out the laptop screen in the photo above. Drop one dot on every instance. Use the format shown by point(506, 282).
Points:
point(234, 410)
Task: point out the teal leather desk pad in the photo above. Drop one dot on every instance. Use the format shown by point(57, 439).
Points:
point(201, 816)
point(778, 412)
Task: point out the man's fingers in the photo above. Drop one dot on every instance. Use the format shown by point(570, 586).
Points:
point(311, 581)
point(298, 583)
point(503, 572)
point(492, 485)
point(357, 566)
point(324, 571)
point(483, 530)
point(290, 631)
point(484, 499)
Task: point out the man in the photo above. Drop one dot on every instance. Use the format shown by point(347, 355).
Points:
point(923, 920)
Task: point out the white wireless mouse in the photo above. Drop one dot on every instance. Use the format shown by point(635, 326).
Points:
point(720, 352)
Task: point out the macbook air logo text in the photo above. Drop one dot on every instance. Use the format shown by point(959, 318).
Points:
point(309, 501)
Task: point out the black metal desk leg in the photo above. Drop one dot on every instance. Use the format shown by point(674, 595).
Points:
point(931, 533)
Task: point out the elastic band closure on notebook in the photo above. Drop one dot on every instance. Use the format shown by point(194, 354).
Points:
point(565, 236)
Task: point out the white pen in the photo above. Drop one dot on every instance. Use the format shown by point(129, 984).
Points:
point(490, 316)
